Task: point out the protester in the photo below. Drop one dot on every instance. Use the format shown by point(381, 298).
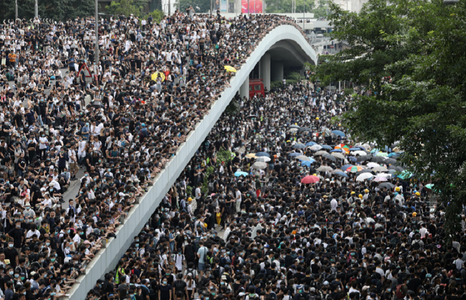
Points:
point(112, 130)
point(365, 230)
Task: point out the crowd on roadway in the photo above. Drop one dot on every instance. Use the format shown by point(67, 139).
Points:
point(110, 131)
point(279, 204)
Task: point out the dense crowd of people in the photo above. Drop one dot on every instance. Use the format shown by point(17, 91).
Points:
point(279, 204)
point(117, 127)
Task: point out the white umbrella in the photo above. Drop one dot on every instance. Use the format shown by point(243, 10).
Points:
point(380, 178)
point(318, 153)
point(338, 155)
point(358, 153)
point(372, 165)
point(364, 176)
point(384, 175)
point(263, 159)
point(293, 130)
point(324, 169)
point(259, 165)
point(303, 157)
point(316, 147)
point(379, 169)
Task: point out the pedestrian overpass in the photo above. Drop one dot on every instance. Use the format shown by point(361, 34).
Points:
point(284, 45)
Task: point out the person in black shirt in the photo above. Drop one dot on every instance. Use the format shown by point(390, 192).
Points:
point(165, 290)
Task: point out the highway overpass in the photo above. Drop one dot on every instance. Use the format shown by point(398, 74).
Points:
point(282, 46)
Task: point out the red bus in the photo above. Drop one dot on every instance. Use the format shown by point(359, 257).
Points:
point(256, 87)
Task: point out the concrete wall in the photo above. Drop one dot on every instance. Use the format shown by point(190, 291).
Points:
point(107, 259)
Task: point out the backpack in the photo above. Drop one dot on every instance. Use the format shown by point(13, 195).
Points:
point(179, 285)
point(398, 292)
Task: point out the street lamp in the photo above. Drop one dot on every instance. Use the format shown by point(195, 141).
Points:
point(36, 9)
point(97, 59)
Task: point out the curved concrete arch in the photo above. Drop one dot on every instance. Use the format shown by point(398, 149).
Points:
point(290, 48)
point(107, 258)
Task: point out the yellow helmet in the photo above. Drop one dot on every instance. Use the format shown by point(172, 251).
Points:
point(366, 191)
point(418, 194)
point(397, 189)
point(317, 118)
point(414, 214)
point(360, 196)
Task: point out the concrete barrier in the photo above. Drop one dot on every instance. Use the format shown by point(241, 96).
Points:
point(107, 258)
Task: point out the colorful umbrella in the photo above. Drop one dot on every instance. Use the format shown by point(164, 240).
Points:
point(241, 173)
point(310, 179)
point(230, 69)
point(155, 75)
point(405, 175)
point(354, 169)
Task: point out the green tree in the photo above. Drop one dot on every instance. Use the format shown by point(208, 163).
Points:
point(285, 6)
point(157, 15)
point(409, 56)
point(200, 6)
point(125, 7)
point(57, 10)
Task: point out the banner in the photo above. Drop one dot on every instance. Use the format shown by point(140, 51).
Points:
point(223, 5)
point(254, 6)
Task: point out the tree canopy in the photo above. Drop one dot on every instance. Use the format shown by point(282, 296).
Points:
point(410, 58)
point(50, 9)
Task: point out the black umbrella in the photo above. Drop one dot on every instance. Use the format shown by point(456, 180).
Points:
point(378, 159)
point(396, 168)
point(328, 156)
point(364, 157)
point(390, 161)
point(386, 185)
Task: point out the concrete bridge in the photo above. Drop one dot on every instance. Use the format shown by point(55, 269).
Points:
point(282, 47)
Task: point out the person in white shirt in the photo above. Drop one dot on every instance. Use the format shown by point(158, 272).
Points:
point(238, 200)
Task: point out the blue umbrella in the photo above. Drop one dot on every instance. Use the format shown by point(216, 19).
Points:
point(393, 154)
point(306, 163)
point(346, 166)
point(352, 158)
point(327, 147)
point(336, 150)
point(241, 173)
point(310, 161)
point(341, 174)
point(292, 154)
point(355, 149)
point(339, 133)
point(297, 146)
point(262, 154)
point(311, 144)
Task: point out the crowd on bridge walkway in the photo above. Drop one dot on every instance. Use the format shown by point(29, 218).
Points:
point(118, 126)
point(279, 203)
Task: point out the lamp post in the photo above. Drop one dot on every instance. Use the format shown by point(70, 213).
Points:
point(304, 15)
point(97, 59)
point(16, 10)
point(36, 9)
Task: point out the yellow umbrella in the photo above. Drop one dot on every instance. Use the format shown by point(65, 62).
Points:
point(230, 69)
point(251, 155)
point(157, 74)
